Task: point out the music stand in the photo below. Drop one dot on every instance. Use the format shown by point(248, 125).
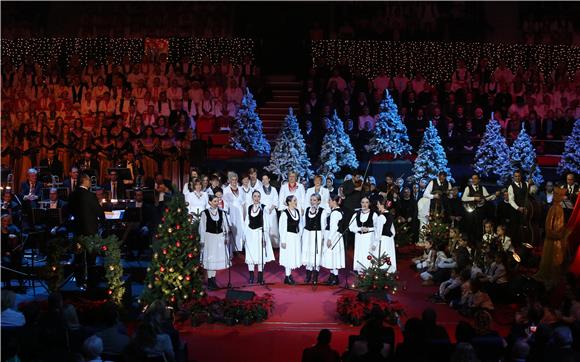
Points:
point(50, 217)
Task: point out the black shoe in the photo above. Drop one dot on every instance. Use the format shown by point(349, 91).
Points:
point(308, 276)
point(211, 284)
point(287, 280)
point(315, 279)
point(330, 280)
point(333, 280)
point(292, 282)
point(252, 277)
point(260, 277)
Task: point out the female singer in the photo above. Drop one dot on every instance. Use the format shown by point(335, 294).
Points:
point(317, 189)
point(270, 199)
point(196, 198)
point(105, 146)
point(213, 231)
point(170, 164)
point(235, 199)
point(290, 238)
point(258, 246)
point(312, 238)
point(363, 224)
point(333, 259)
point(292, 188)
point(149, 143)
point(385, 233)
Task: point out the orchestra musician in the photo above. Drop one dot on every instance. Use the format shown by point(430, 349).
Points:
point(518, 193)
point(437, 191)
point(474, 199)
point(11, 207)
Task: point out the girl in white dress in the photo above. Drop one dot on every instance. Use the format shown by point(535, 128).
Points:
point(213, 230)
point(385, 234)
point(197, 199)
point(290, 231)
point(312, 238)
point(362, 224)
point(246, 190)
point(270, 200)
point(294, 188)
point(317, 189)
point(258, 247)
point(333, 259)
point(235, 200)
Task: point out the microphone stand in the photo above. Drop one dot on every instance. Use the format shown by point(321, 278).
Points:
point(346, 286)
point(263, 245)
point(315, 280)
point(227, 250)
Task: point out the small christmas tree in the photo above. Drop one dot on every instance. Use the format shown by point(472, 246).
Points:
point(247, 134)
point(390, 134)
point(493, 154)
point(403, 232)
point(345, 156)
point(570, 161)
point(175, 274)
point(523, 157)
point(431, 158)
point(436, 231)
point(377, 276)
point(290, 151)
point(328, 153)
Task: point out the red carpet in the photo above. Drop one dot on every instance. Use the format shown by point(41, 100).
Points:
point(300, 312)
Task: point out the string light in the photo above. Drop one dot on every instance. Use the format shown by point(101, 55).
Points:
point(438, 60)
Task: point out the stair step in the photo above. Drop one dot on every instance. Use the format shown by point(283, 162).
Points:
point(285, 85)
point(290, 98)
point(275, 104)
point(281, 78)
point(276, 92)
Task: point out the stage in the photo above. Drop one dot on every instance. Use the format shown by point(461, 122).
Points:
point(299, 313)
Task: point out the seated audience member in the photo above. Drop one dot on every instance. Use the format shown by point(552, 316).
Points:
point(149, 342)
point(92, 349)
point(432, 330)
point(10, 316)
point(488, 344)
point(160, 316)
point(76, 333)
point(321, 351)
point(114, 336)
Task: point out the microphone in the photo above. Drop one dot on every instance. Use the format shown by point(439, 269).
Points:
point(224, 210)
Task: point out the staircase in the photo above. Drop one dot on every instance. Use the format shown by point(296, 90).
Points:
point(285, 93)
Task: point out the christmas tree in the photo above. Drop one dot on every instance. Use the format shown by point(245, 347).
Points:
point(390, 134)
point(345, 155)
point(247, 134)
point(570, 161)
point(290, 151)
point(431, 158)
point(436, 231)
point(523, 157)
point(175, 274)
point(493, 154)
point(328, 153)
point(377, 276)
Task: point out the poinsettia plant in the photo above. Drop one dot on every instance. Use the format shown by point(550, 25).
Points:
point(211, 309)
point(353, 310)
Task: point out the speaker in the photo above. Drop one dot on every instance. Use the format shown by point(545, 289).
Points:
point(233, 294)
point(379, 294)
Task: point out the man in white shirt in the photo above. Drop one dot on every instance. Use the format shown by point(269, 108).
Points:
point(438, 190)
point(475, 193)
point(518, 193)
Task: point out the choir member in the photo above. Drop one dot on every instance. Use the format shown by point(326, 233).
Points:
point(333, 250)
point(290, 231)
point(385, 233)
point(362, 224)
point(196, 198)
point(294, 188)
point(317, 189)
point(258, 246)
point(269, 197)
point(213, 231)
point(312, 238)
point(235, 199)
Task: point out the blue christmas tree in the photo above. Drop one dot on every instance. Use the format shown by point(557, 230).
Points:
point(493, 154)
point(247, 134)
point(328, 153)
point(431, 158)
point(523, 157)
point(345, 155)
point(390, 134)
point(570, 161)
point(289, 154)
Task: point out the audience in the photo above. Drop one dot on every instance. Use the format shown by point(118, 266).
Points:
point(321, 351)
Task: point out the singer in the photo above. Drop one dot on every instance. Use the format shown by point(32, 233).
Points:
point(314, 224)
point(364, 240)
point(258, 246)
point(333, 249)
point(213, 232)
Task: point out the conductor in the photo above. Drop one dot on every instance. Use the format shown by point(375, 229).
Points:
point(87, 213)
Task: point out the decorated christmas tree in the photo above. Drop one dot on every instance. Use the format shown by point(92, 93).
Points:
point(328, 153)
point(523, 157)
point(247, 134)
point(377, 275)
point(390, 135)
point(345, 157)
point(175, 274)
point(290, 151)
point(493, 155)
point(431, 158)
point(436, 231)
point(570, 161)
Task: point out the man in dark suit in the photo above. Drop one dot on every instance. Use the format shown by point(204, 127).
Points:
point(571, 194)
point(72, 182)
point(87, 213)
point(138, 233)
point(450, 141)
point(115, 188)
point(88, 164)
point(11, 207)
point(53, 165)
point(321, 351)
point(30, 192)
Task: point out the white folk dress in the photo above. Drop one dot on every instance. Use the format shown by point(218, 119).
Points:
point(212, 231)
point(256, 240)
point(312, 240)
point(333, 258)
point(324, 196)
point(290, 256)
point(235, 202)
point(270, 200)
point(363, 242)
point(387, 243)
point(297, 190)
point(197, 202)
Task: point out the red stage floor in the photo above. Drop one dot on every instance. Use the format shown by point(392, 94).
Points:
point(300, 312)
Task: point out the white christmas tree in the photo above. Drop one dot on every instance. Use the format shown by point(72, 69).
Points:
point(523, 157)
point(247, 134)
point(431, 158)
point(390, 134)
point(570, 161)
point(328, 153)
point(345, 155)
point(289, 154)
point(493, 154)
